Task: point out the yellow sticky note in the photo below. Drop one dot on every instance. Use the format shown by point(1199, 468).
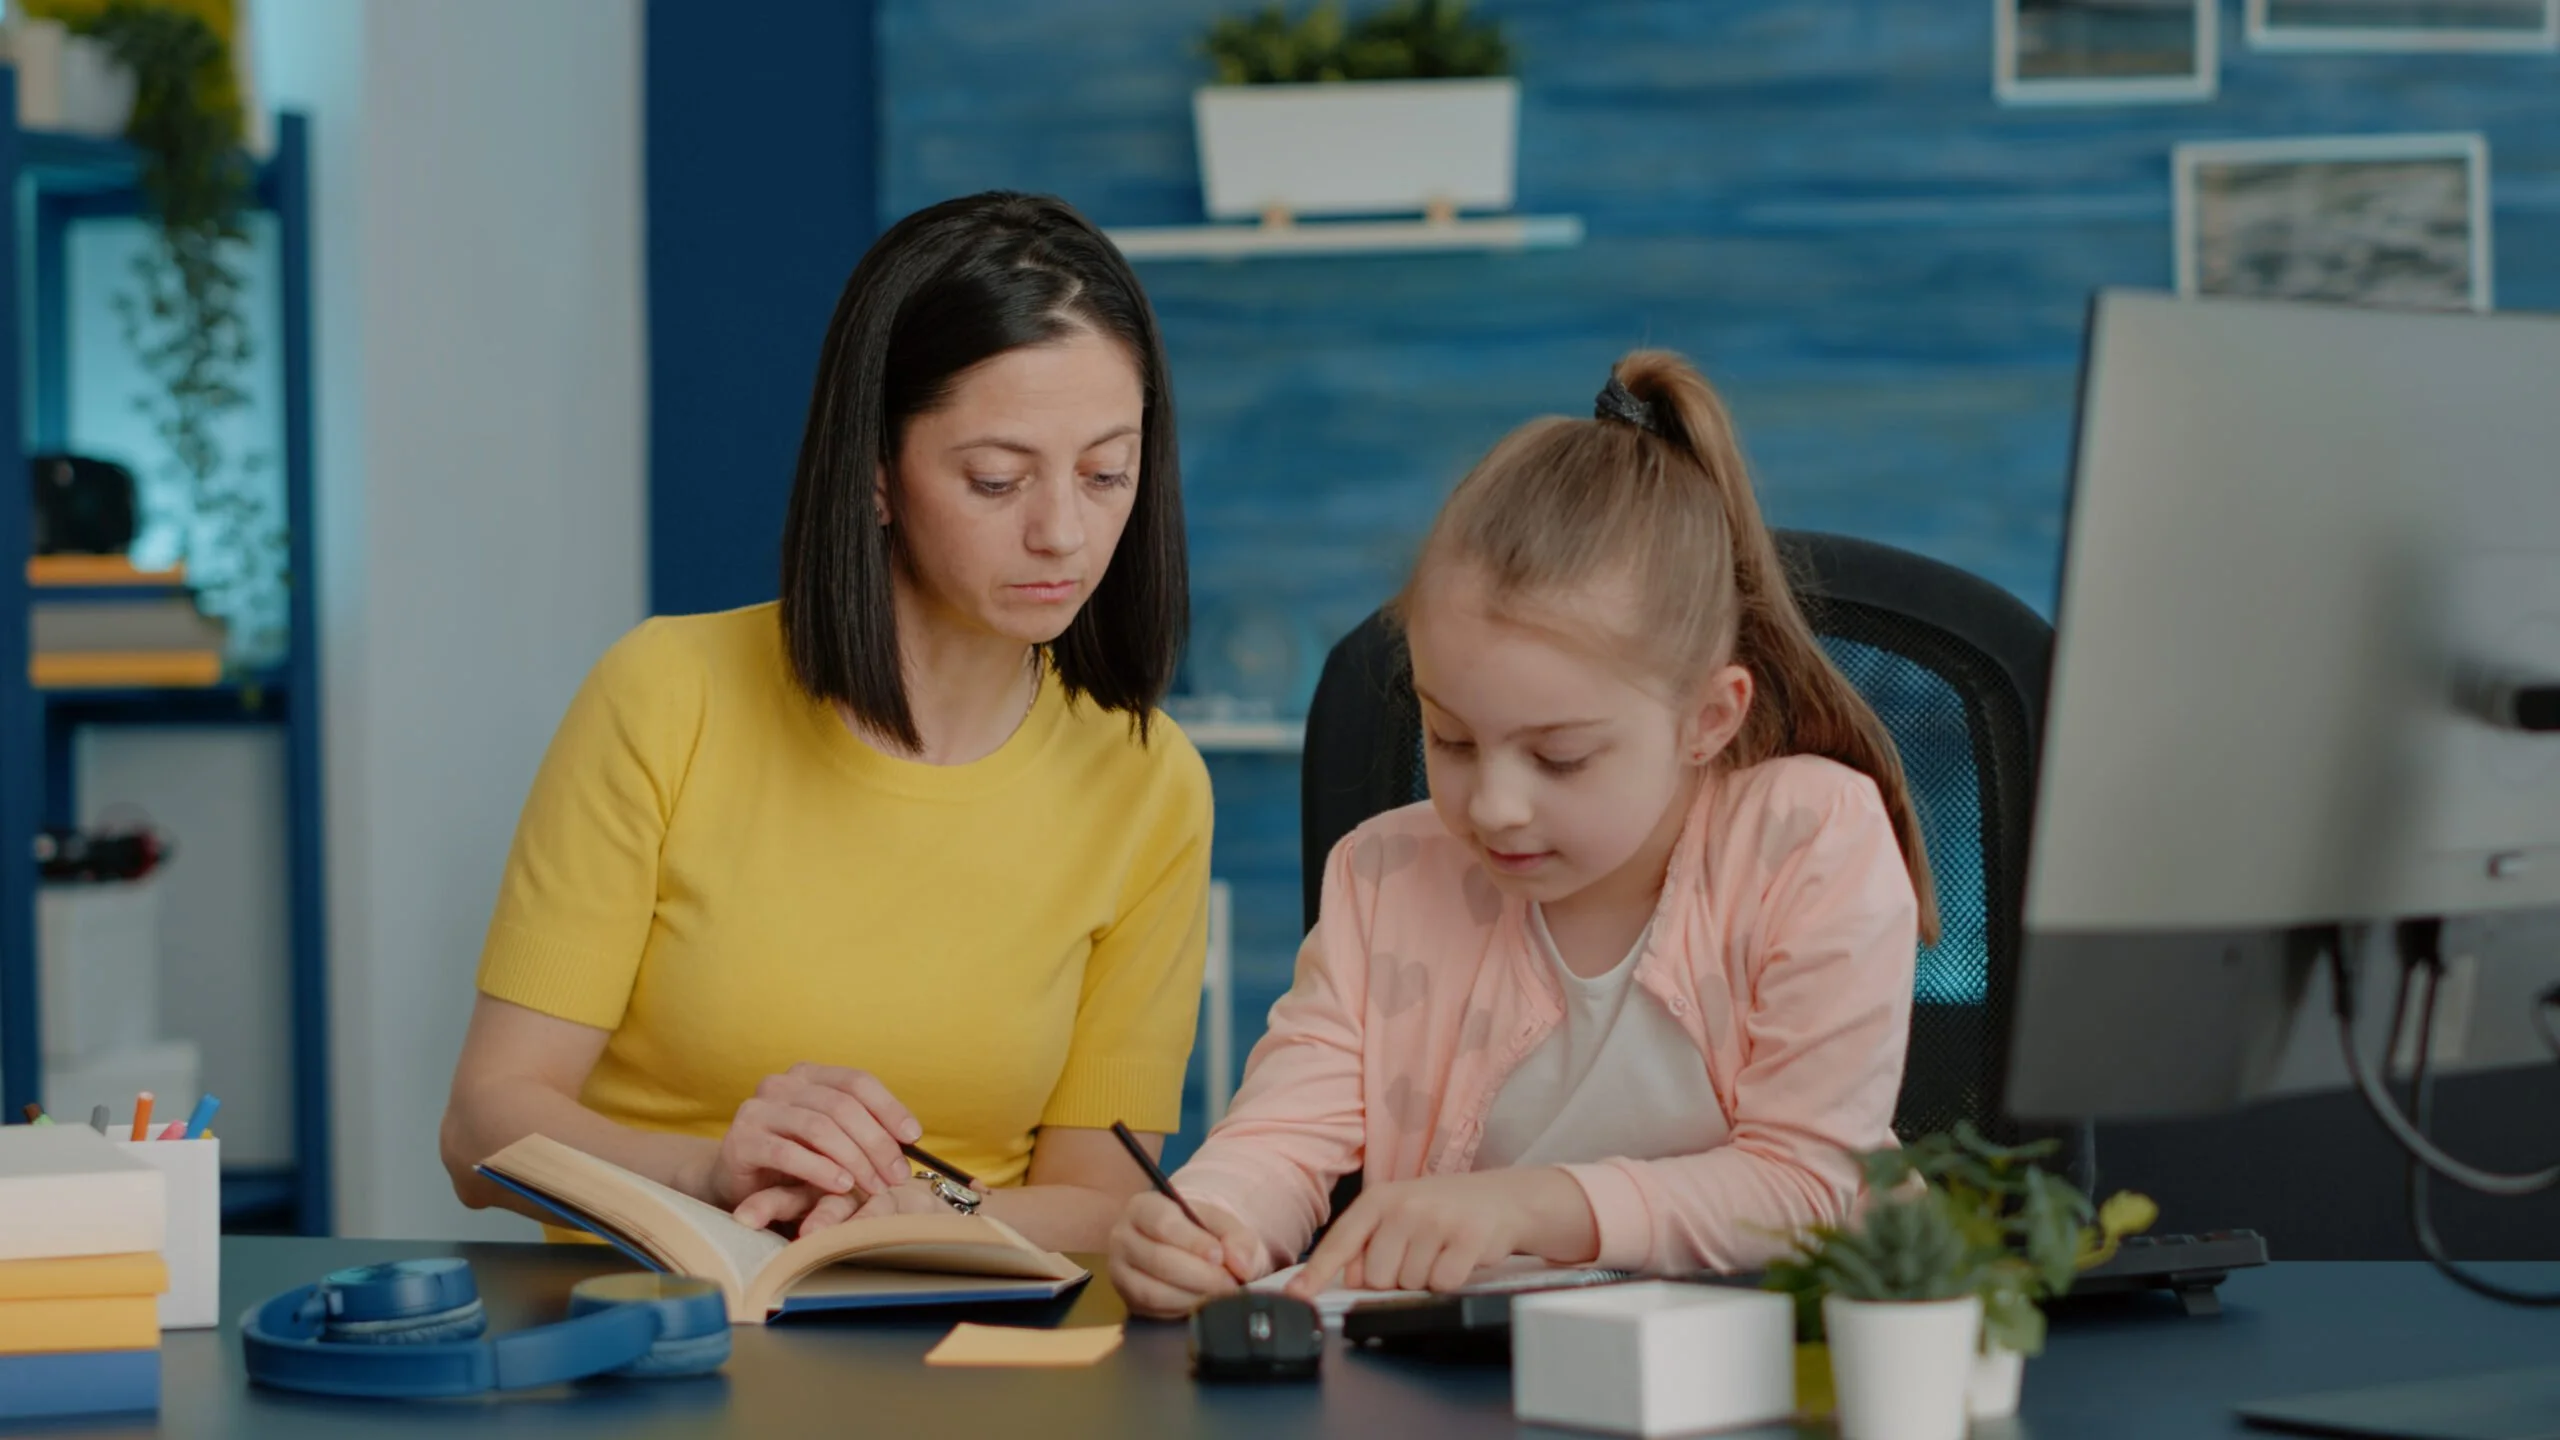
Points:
point(1011, 1345)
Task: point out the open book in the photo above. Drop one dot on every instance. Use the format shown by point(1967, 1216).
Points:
point(887, 1260)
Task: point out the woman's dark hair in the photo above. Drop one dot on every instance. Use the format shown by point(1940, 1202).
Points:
point(946, 289)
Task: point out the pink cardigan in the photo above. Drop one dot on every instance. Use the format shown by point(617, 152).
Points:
point(1784, 947)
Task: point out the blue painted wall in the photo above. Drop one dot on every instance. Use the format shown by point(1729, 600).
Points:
point(1884, 269)
point(761, 196)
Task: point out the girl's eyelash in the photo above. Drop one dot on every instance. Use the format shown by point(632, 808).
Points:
point(985, 486)
point(1562, 767)
point(1115, 478)
point(1453, 746)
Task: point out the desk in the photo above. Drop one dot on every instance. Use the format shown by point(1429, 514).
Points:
point(2141, 1371)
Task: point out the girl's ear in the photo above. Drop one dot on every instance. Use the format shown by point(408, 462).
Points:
point(1724, 702)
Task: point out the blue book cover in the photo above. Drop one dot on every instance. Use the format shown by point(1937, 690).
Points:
point(89, 1382)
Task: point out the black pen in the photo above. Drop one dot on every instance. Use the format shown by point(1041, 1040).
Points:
point(1155, 1172)
point(943, 1168)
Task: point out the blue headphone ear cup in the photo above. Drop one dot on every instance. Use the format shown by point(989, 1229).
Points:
point(693, 1319)
point(694, 1355)
point(463, 1322)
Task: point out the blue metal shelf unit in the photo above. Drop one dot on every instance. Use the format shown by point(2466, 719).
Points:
point(57, 181)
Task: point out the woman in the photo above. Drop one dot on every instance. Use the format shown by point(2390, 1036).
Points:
point(910, 855)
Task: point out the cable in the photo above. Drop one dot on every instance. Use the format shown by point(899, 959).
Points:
point(2422, 1226)
point(2546, 1008)
point(2417, 939)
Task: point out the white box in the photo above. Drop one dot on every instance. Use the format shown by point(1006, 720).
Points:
point(99, 979)
point(1653, 1359)
point(172, 1070)
point(193, 1250)
point(1362, 147)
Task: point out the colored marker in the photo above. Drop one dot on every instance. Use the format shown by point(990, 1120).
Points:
point(35, 1114)
point(98, 1119)
point(142, 1116)
point(177, 1131)
point(200, 1121)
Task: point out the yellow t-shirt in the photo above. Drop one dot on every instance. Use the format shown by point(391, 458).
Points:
point(714, 868)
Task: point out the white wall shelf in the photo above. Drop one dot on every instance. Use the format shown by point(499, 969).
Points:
point(1350, 237)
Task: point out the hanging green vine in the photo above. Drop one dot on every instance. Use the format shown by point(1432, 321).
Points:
point(184, 320)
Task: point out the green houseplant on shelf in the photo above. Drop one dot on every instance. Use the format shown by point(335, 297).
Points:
point(2033, 1230)
point(1409, 108)
point(185, 318)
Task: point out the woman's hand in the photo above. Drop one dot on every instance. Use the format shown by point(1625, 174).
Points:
point(810, 1133)
point(1433, 1233)
point(1164, 1266)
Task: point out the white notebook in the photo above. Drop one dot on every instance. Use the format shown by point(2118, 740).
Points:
point(67, 1190)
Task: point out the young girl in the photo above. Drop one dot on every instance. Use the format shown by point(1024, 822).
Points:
point(1633, 988)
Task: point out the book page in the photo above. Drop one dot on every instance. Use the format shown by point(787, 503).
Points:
point(938, 1245)
point(693, 1238)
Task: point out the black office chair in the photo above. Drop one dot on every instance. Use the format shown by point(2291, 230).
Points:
point(1956, 668)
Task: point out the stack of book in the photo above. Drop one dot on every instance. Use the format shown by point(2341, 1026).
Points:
point(81, 1271)
point(97, 622)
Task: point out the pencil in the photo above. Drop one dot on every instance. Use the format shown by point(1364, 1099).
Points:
point(943, 1168)
point(1155, 1172)
point(142, 1116)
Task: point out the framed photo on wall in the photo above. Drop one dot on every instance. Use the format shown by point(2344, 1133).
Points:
point(2394, 220)
point(2104, 52)
point(2404, 24)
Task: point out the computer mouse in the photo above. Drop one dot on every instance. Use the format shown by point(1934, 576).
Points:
point(1256, 1335)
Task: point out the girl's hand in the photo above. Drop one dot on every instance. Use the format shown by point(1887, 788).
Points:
point(1434, 1233)
point(812, 1131)
point(1164, 1266)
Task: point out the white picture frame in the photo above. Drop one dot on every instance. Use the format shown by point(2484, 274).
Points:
point(2381, 25)
point(2014, 61)
point(2385, 244)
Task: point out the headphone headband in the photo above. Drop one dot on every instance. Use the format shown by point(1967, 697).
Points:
point(638, 1323)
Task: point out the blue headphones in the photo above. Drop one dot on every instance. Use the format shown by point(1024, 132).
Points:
point(412, 1329)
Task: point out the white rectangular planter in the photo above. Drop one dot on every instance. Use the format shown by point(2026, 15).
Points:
point(1370, 147)
point(99, 968)
point(1653, 1359)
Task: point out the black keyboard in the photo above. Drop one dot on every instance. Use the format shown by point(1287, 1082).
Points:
point(2189, 1265)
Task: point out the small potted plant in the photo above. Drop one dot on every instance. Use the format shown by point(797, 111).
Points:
point(1408, 109)
point(2030, 1231)
point(2049, 1229)
point(1898, 1292)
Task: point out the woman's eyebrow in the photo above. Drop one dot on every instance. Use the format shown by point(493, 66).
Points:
point(1025, 447)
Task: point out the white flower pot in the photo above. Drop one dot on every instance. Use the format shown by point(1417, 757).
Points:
point(1900, 1371)
point(1366, 147)
point(97, 90)
point(1997, 1371)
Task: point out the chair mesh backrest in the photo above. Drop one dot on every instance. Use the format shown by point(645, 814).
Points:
point(1963, 744)
point(1955, 669)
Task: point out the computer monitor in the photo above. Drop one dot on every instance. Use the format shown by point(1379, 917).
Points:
point(2308, 634)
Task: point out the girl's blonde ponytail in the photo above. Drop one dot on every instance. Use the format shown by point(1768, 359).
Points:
point(1655, 485)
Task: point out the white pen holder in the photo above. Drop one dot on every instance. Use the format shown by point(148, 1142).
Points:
point(193, 1249)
